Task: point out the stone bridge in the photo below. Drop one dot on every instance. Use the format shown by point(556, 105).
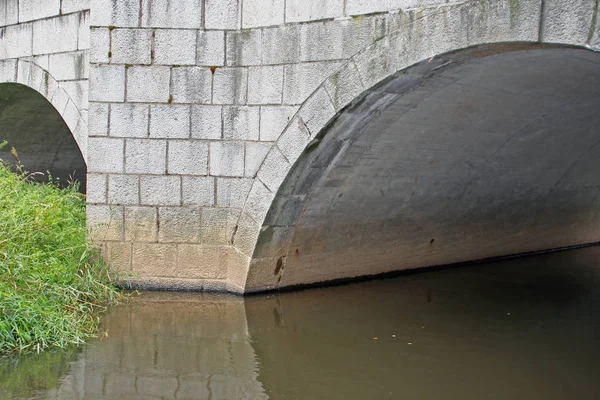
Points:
point(247, 145)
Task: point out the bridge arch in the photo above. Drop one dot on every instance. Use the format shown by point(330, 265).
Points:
point(41, 120)
point(423, 39)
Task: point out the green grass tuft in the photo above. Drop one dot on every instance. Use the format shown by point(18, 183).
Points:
point(53, 284)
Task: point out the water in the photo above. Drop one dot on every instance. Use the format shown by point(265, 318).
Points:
point(526, 328)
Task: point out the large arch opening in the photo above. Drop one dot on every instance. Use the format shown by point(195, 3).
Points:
point(43, 141)
point(486, 152)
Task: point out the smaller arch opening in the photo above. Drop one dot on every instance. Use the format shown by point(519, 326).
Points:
point(41, 138)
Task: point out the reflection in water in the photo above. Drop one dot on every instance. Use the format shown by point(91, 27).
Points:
point(521, 329)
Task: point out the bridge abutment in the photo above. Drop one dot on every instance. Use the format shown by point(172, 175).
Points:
point(198, 109)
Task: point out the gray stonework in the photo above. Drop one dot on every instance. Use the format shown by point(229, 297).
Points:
point(198, 109)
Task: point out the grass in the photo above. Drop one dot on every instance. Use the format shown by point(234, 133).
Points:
point(53, 284)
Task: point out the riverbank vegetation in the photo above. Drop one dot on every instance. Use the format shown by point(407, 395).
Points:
point(53, 284)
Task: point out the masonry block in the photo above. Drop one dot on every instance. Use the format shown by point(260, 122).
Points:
point(172, 14)
point(187, 157)
point(294, 140)
point(141, 224)
point(179, 224)
point(175, 47)
point(273, 120)
point(274, 169)
point(230, 86)
point(105, 155)
point(131, 46)
point(200, 262)
point(33, 9)
point(207, 122)
point(9, 12)
point(232, 192)
point(300, 80)
point(255, 155)
point(160, 190)
point(312, 10)
point(169, 121)
point(281, 45)
point(16, 41)
point(148, 84)
point(243, 47)
point(129, 120)
point(121, 13)
point(191, 85)
point(568, 22)
point(98, 119)
point(69, 66)
point(145, 156)
point(227, 159)
point(96, 188)
point(344, 86)
point(263, 13)
point(198, 191)
point(317, 111)
point(83, 36)
point(56, 35)
point(107, 83)
point(104, 222)
point(124, 189)
point(223, 14)
point(218, 225)
point(119, 255)
point(210, 48)
point(69, 6)
point(154, 259)
point(99, 45)
point(265, 85)
point(258, 201)
point(241, 123)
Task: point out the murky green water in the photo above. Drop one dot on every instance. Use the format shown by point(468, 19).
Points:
point(521, 329)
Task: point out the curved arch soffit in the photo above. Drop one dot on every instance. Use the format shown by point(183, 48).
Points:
point(418, 36)
point(37, 78)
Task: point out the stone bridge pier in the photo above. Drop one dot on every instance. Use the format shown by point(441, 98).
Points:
point(248, 145)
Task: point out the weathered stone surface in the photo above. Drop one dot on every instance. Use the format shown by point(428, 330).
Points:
point(129, 46)
point(230, 86)
point(227, 159)
point(300, 80)
point(207, 122)
point(175, 46)
point(255, 155)
point(179, 224)
point(141, 224)
point(105, 155)
point(96, 188)
point(122, 13)
point(154, 259)
point(241, 123)
point(32, 9)
point(191, 85)
point(160, 190)
point(264, 85)
point(243, 47)
point(148, 84)
point(312, 10)
point(210, 48)
point(223, 14)
point(145, 156)
point(107, 83)
point(124, 190)
point(273, 119)
point(262, 13)
point(198, 191)
point(218, 225)
point(232, 192)
point(129, 120)
point(172, 13)
point(169, 121)
point(187, 157)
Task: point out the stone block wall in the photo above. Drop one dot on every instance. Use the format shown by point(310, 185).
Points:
point(199, 108)
point(45, 45)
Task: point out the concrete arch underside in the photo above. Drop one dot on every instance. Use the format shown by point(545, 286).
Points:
point(485, 152)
